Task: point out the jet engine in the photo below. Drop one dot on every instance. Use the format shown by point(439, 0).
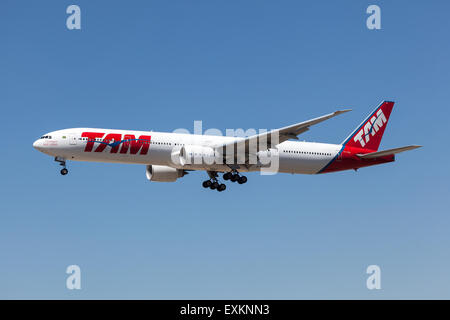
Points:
point(163, 173)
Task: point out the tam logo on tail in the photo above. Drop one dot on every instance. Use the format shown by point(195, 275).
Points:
point(369, 133)
point(371, 127)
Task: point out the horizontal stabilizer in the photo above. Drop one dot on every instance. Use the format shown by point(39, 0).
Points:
point(385, 152)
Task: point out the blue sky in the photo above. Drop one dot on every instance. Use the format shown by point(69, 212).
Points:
point(232, 64)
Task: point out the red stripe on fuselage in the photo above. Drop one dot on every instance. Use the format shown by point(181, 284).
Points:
point(348, 159)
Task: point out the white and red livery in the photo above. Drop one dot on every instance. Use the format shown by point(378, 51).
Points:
point(169, 156)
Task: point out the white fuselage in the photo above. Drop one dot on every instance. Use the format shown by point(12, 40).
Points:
point(72, 144)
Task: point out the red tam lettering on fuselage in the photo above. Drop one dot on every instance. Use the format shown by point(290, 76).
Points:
point(115, 142)
point(110, 138)
point(130, 142)
point(91, 139)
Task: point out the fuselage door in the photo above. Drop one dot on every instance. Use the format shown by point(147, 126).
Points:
point(72, 139)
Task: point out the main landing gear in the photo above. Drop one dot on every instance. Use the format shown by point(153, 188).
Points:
point(62, 162)
point(234, 177)
point(214, 184)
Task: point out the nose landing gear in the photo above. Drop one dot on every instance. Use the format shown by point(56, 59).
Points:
point(62, 162)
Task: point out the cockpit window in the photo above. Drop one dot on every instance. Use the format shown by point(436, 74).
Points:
point(45, 137)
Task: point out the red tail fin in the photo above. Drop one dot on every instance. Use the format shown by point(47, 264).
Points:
point(369, 133)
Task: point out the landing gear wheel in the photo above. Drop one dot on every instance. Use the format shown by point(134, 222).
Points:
point(234, 178)
point(215, 185)
point(213, 182)
point(206, 184)
point(242, 180)
point(62, 162)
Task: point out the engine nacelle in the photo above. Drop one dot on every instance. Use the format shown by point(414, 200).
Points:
point(163, 173)
point(192, 154)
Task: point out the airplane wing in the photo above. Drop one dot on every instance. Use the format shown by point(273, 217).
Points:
point(269, 139)
point(386, 152)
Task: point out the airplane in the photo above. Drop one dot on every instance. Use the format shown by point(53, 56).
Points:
point(170, 156)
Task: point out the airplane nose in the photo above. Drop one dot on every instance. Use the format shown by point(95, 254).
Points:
point(37, 145)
